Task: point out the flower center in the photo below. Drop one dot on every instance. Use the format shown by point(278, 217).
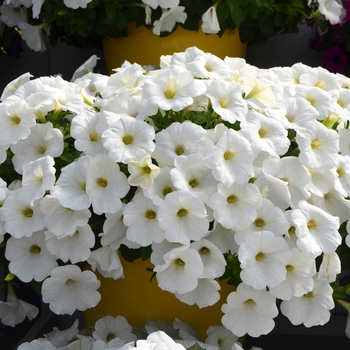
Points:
point(223, 103)
point(308, 295)
point(83, 186)
point(128, 139)
point(166, 190)
point(259, 222)
point(28, 212)
point(42, 149)
point(228, 155)
point(232, 199)
point(262, 132)
point(193, 182)
point(101, 182)
point(341, 102)
point(289, 268)
point(320, 84)
point(169, 94)
point(15, 119)
point(70, 281)
point(182, 212)
point(208, 67)
point(150, 214)
point(311, 100)
point(312, 224)
point(179, 262)
point(260, 256)
point(94, 137)
point(340, 172)
point(35, 249)
point(316, 144)
point(291, 230)
point(250, 302)
point(179, 150)
point(110, 336)
point(146, 169)
point(204, 251)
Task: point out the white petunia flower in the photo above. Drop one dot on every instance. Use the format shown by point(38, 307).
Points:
point(300, 270)
point(16, 120)
point(265, 134)
point(143, 172)
point(70, 188)
point(62, 221)
point(263, 260)
point(107, 262)
point(221, 337)
point(37, 344)
point(223, 238)
point(180, 139)
point(74, 4)
point(140, 215)
point(69, 289)
point(212, 258)
point(105, 185)
point(21, 219)
point(128, 139)
point(168, 19)
point(44, 140)
point(227, 101)
point(130, 104)
point(210, 22)
point(38, 177)
point(249, 311)
point(75, 248)
point(318, 146)
point(181, 270)
point(190, 174)
point(269, 218)
point(311, 309)
point(292, 113)
point(322, 102)
point(317, 231)
point(332, 10)
point(231, 159)
point(289, 171)
point(162, 3)
point(15, 310)
point(333, 203)
point(330, 267)
point(29, 258)
point(171, 89)
point(87, 139)
point(86, 67)
point(205, 294)
point(13, 85)
point(32, 35)
point(160, 188)
point(235, 206)
point(183, 217)
point(109, 327)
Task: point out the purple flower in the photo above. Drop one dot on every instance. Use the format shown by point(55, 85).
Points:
point(335, 60)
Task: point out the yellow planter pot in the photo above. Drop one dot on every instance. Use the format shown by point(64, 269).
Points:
point(144, 47)
point(137, 299)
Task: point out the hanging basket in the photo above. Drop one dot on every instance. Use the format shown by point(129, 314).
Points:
point(145, 48)
point(138, 299)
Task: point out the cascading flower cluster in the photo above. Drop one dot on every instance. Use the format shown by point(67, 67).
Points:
point(217, 168)
point(84, 22)
point(116, 333)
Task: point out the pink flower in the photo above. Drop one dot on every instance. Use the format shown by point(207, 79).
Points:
point(335, 60)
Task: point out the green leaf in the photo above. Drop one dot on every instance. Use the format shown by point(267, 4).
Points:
point(129, 254)
point(110, 10)
point(237, 14)
point(121, 20)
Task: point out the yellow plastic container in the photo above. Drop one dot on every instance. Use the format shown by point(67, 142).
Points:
point(145, 48)
point(137, 299)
